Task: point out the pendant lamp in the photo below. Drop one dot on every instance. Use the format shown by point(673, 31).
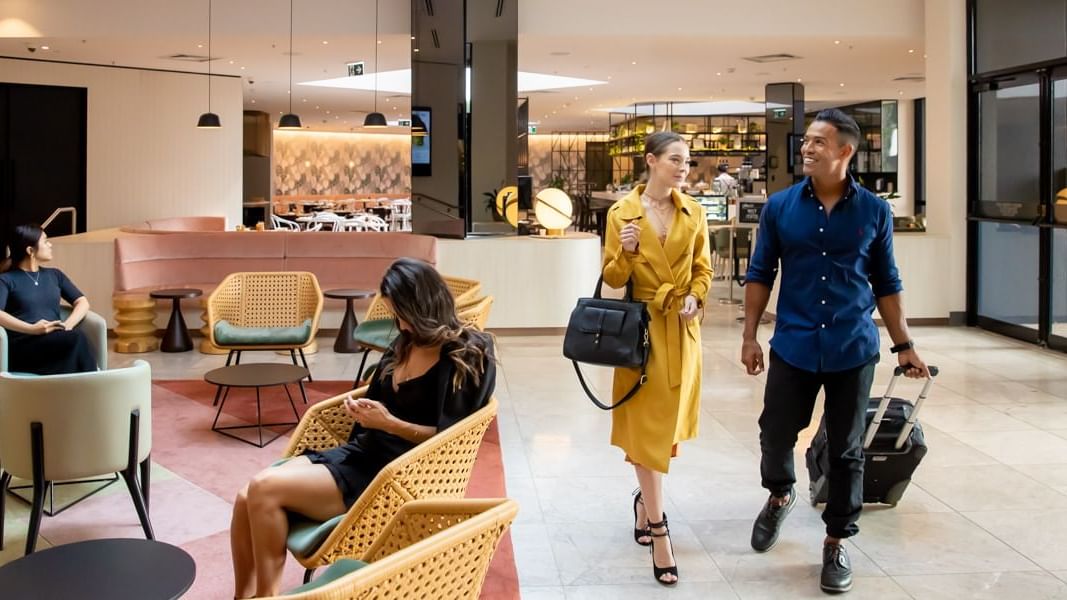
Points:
point(209, 120)
point(375, 119)
point(289, 120)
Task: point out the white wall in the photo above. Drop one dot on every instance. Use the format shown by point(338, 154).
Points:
point(145, 157)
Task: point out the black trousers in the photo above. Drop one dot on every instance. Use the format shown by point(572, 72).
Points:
point(788, 402)
point(51, 354)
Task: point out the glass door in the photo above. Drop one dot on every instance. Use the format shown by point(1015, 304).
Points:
point(1007, 206)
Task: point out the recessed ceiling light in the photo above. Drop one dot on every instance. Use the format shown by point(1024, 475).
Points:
point(799, 80)
point(231, 62)
point(304, 100)
point(911, 51)
point(719, 73)
point(633, 62)
point(199, 45)
point(253, 100)
point(325, 42)
point(242, 68)
point(412, 37)
point(901, 93)
point(416, 50)
point(379, 41)
point(841, 84)
point(837, 42)
point(45, 48)
point(679, 89)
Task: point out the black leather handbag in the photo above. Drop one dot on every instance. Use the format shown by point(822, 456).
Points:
point(609, 333)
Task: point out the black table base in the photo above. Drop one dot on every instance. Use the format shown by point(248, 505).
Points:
point(225, 392)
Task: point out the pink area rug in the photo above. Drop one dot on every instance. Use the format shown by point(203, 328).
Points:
point(199, 472)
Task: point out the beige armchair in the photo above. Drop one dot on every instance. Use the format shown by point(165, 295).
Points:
point(63, 427)
point(265, 311)
point(93, 325)
point(429, 549)
point(440, 467)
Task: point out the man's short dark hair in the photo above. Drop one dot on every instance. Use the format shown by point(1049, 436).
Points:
point(848, 132)
point(724, 168)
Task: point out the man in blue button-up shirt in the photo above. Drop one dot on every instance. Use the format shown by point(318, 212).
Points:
point(834, 241)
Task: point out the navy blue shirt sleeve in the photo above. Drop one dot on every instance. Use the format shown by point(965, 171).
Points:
point(884, 277)
point(5, 290)
point(763, 268)
point(67, 290)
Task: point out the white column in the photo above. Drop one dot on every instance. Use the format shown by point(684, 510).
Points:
point(946, 138)
point(905, 206)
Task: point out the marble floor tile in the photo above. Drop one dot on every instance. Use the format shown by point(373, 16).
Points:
point(952, 419)
point(915, 500)
point(870, 588)
point(1038, 534)
point(604, 553)
point(986, 487)
point(683, 590)
point(946, 450)
point(590, 499)
point(542, 593)
point(558, 457)
point(722, 496)
point(1055, 476)
point(1061, 574)
point(1045, 416)
point(983, 586)
point(919, 544)
point(1018, 447)
point(533, 555)
point(523, 491)
point(796, 557)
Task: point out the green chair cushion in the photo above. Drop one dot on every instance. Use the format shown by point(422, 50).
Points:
point(378, 333)
point(337, 570)
point(228, 334)
point(305, 536)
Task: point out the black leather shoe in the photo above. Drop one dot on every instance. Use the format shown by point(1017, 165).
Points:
point(836, 569)
point(769, 522)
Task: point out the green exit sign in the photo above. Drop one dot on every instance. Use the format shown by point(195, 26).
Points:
point(533, 129)
point(779, 113)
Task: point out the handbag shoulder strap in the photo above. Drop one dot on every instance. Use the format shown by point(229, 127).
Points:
point(597, 402)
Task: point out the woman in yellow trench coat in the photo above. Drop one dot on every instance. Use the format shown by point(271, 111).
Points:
point(658, 237)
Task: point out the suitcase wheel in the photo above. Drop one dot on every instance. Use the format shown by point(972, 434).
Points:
point(896, 492)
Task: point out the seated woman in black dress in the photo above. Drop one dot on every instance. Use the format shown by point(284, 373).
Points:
point(436, 373)
point(38, 340)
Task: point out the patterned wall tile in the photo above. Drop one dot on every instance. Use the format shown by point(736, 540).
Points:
point(315, 163)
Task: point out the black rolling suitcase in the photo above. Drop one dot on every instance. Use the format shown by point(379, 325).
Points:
point(893, 447)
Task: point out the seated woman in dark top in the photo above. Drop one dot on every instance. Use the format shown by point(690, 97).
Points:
point(436, 373)
point(38, 340)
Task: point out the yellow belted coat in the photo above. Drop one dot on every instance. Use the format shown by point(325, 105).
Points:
point(665, 411)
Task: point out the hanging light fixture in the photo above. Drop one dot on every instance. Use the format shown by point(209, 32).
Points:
point(289, 120)
point(209, 120)
point(375, 119)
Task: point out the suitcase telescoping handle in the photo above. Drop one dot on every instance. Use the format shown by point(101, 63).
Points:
point(905, 431)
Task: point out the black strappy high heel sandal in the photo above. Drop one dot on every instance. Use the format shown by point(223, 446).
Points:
point(640, 533)
point(658, 572)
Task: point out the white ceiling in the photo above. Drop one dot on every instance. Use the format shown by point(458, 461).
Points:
point(695, 45)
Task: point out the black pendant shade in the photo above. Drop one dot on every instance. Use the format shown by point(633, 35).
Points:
point(375, 119)
point(208, 120)
point(289, 121)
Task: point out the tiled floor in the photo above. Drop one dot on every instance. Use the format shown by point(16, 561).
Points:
point(985, 518)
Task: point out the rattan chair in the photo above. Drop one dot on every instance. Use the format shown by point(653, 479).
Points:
point(265, 311)
point(438, 549)
point(376, 332)
point(475, 313)
point(440, 467)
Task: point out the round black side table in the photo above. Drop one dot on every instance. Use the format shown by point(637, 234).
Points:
point(101, 569)
point(176, 337)
point(344, 343)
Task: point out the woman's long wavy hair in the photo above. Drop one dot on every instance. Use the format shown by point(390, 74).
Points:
point(19, 239)
point(420, 297)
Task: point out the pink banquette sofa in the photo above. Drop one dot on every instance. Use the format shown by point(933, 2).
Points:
point(145, 262)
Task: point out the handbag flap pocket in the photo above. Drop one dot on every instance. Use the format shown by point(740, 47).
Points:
point(604, 321)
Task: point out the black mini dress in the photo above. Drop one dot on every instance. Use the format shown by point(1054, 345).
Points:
point(428, 399)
